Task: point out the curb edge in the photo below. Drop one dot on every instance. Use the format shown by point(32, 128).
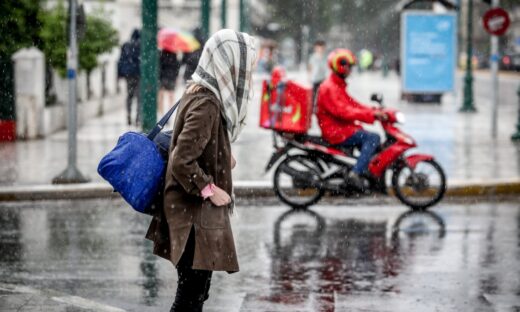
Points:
point(245, 189)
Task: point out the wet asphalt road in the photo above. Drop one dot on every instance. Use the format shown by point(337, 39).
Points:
point(91, 256)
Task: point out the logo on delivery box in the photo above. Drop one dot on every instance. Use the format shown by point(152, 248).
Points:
point(288, 110)
point(279, 108)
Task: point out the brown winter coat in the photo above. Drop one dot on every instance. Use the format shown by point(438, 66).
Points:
point(200, 153)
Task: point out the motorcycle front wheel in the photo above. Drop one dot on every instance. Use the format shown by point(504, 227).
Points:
point(422, 187)
point(297, 181)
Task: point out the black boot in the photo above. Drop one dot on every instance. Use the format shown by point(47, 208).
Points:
point(355, 181)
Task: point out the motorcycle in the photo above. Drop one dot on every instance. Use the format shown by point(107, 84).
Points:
point(308, 167)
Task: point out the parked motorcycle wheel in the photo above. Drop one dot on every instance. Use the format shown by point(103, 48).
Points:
point(297, 181)
point(421, 188)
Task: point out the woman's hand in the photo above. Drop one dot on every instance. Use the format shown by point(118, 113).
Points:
point(233, 162)
point(219, 197)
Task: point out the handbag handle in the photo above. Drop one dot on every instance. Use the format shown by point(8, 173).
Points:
point(160, 125)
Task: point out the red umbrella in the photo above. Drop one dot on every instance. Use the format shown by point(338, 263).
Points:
point(174, 40)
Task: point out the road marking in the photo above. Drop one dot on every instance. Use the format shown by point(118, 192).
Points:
point(75, 301)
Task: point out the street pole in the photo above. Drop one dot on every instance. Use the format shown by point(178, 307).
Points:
point(149, 65)
point(243, 16)
point(468, 80)
point(223, 14)
point(71, 174)
point(516, 136)
point(494, 75)
point(205, 15)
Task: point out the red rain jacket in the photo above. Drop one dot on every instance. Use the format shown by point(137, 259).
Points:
point(338, 113)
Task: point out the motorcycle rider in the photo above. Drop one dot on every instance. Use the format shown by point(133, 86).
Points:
point(339, 115)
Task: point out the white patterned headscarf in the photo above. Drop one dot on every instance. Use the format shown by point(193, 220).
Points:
point(225, 68)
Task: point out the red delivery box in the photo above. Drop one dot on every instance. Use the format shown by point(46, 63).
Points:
point(286, 107)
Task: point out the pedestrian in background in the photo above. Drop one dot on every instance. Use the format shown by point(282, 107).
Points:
point(193, 229)
point(128, 68)
point(191, 60)
point(168, 71)
point(317, 68)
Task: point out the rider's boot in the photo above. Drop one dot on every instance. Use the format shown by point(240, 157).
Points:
point(355, 181)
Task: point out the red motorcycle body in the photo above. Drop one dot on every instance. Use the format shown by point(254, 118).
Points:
point(403, 142)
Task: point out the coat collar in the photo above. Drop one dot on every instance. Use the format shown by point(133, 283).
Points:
point(337, 80)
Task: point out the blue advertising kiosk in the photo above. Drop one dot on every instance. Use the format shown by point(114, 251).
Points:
point(428, 54)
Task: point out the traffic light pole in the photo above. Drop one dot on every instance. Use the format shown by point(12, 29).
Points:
point(243, 16)
point(72, 174)
point(223, 14)
point(494, 78)
point(468, 80)
point(149, 65)
point(205, 14)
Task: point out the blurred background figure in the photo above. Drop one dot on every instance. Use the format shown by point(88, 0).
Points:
point(128, 68)
point(268, 55)
point(271, 59)
point(317, 68)
point(366, 60)
point(169, 67)
point(191, 59)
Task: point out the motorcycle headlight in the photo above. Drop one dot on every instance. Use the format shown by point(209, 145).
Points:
point(400, 118)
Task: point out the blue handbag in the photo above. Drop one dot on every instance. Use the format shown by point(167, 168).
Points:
point(136, 166)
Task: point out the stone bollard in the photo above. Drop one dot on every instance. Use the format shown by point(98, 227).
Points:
point(29, 77)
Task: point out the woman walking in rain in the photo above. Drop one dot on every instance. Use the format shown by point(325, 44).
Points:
point(193, 229)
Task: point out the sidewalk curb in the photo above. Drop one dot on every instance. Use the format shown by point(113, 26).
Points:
point(243, 189)
point(484, 188)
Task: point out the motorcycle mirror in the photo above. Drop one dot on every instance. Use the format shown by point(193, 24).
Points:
point(377, 97)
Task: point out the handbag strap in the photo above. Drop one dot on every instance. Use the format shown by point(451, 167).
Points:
point(160, 125)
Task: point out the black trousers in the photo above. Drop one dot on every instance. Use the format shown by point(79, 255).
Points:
point(192, 285)
point(315, 87)
point(132, 87)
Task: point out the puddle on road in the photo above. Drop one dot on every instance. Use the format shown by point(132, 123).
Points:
point(462, 257)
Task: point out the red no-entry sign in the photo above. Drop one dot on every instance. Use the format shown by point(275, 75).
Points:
point(496, 21)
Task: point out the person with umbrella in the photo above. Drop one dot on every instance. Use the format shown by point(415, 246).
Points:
point(191, 59)
point(172, 41)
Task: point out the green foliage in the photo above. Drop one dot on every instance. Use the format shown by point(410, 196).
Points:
point(100, 37)
point(54, 37)
point(19, 24)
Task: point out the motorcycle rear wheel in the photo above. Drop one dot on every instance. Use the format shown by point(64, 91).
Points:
point(297, 181)
point(415, 188)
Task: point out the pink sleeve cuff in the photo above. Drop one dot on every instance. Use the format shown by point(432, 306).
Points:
point(207, 191)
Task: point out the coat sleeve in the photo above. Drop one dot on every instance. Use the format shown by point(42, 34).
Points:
point(191, 142)
point(345, 107)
